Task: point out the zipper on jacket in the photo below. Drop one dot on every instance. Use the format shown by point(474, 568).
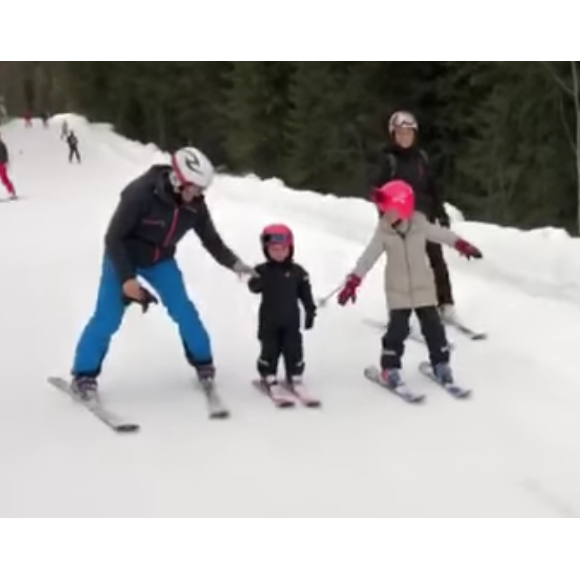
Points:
point(171, 227)
point(170, 231)
point(404, 240)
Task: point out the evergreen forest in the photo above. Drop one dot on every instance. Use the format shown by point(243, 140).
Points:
point(504, 137)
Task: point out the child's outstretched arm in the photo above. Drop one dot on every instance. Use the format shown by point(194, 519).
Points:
point(374, 250)
point(440, 235)
point(364, 265)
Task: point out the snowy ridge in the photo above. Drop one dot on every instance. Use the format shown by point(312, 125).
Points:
point(508, 452)
point(542, 261)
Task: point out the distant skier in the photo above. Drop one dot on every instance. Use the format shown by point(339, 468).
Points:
point(404, 159)
point(64, 130)
point(27, 119)
point(4, 178)
point(44, 118)
point(154, 213)
point(73, 147)
point(402, 234)
point(283, 285)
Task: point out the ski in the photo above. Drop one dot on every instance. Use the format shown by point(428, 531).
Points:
point(373, 374)
point(97, 408)
point(467, 331)
point(281, 401)
point(301, 394)
point(454, 390)
point(216, 408)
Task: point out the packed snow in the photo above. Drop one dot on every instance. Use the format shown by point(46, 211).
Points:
point(513, 450)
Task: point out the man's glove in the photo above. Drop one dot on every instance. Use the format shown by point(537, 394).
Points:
point(242, 270)
point(133, 292)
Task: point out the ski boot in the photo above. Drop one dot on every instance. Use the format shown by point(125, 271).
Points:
point(206, 376)
point(392, 380)
point(84, 387)
point(205, 372)
point(443, 374)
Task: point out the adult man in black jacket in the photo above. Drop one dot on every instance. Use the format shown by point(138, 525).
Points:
point(403, 159)
point(154, 213)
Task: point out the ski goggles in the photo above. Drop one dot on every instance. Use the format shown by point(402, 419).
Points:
point(277, 238)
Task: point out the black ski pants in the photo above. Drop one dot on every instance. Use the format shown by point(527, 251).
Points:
point(393, 340)
point(277, 342)
point(441, 272)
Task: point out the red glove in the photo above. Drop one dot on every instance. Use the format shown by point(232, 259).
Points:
point(467, 250)
point(348, 291)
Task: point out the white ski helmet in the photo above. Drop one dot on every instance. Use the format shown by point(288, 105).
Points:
point(191, 166)
point(401, 119)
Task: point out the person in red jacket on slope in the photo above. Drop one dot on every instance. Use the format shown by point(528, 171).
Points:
point(4, 179)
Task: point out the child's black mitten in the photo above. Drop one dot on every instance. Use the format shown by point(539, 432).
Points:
point(309, 319)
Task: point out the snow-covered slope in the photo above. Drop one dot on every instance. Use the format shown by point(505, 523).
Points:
point(511, 451)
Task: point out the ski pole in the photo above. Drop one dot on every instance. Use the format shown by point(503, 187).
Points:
point(322, 302)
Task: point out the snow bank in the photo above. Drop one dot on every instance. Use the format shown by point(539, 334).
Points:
point(544, 261)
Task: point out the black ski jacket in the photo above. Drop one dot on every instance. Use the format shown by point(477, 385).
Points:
point(283, 286)
point(149, 221)
point(412, 165)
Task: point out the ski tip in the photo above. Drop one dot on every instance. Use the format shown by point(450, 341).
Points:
point(127, 428)
point(55, 379)
point(220, 415)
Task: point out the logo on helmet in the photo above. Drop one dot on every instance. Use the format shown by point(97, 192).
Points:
point(192, 162)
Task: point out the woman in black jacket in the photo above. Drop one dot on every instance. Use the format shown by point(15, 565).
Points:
point(403, 159)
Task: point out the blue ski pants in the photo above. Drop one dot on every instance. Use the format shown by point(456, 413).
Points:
point(167, 281)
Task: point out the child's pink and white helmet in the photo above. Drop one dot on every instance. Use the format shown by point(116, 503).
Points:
point(397, 196)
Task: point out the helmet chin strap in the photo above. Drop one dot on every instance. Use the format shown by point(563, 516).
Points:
point(175, 183)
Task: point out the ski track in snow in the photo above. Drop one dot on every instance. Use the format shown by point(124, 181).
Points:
point(511, 451)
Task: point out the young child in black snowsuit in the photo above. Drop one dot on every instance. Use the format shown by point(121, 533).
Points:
point(283, 285)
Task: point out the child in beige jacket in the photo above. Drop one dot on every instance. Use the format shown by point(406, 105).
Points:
point(402, 233)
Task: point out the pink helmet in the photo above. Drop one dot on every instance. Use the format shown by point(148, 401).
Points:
point(277, 234)
point(397, 196)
